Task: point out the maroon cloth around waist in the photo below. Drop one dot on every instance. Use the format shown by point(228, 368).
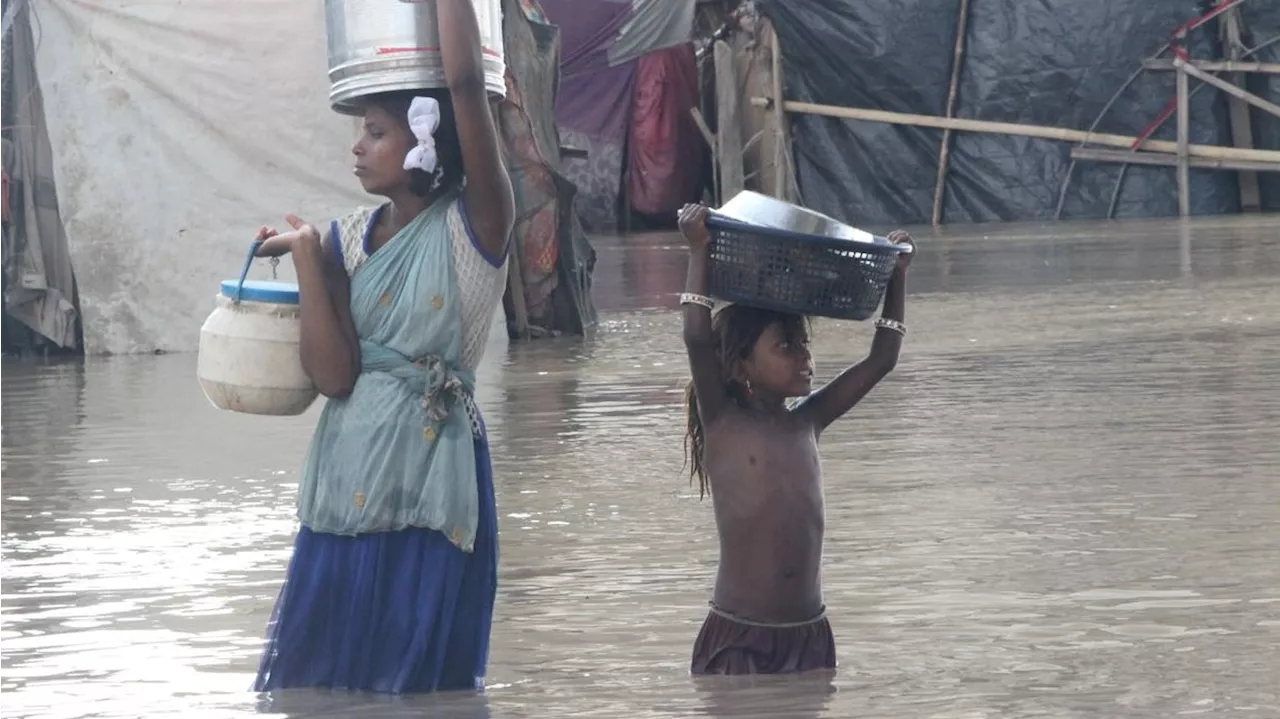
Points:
point(733, 645)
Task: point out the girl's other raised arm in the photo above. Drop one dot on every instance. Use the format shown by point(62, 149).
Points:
point(846, 390)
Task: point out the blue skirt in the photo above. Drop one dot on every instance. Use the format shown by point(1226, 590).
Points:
point(391, 612)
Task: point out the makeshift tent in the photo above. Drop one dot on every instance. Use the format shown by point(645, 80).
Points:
point(551, 259)
point(40, 311)
point(627, 82)
point(179, 128)
point(1052, 63)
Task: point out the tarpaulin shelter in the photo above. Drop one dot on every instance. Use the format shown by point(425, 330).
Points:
point(40, 303)
point(176, 132)
point(176, 129)
point(1053, 64)
point(628, 79)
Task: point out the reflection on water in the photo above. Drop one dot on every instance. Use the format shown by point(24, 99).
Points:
point(1063, 504)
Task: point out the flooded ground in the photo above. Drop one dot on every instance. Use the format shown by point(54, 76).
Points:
point(1064, 503)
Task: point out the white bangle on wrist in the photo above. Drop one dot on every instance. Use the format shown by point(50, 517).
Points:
point(690, 298)
point(884, 323)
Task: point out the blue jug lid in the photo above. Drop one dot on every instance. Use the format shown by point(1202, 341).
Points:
point(280, 293)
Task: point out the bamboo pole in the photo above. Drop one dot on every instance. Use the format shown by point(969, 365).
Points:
point(1186, 68)
point(1264, 68)
point(782, 170)
point(714, 142)
point(944, 151)
point(1184, 145)
point(1184, 248)
point(1115, 189)
point(515, 284)
point(728, 124)
point(1023, 130)
point(1241, 123)
point(705, 131)
point(1160, 159)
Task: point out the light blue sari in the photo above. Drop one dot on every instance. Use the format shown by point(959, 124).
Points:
point(393, 577)
point(398, 452)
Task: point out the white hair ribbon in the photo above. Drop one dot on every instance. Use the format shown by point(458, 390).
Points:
point(424, 118)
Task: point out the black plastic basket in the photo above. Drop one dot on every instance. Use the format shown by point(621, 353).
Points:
point(794, 272)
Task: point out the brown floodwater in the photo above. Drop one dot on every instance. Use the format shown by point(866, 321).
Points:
point(1064, 503)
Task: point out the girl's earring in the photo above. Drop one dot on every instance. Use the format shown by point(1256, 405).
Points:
point(750, 393)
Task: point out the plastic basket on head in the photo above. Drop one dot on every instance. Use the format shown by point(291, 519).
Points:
point(796, 272)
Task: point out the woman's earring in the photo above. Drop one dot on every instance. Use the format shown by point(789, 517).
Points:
point(437, 175)
point(750, 393)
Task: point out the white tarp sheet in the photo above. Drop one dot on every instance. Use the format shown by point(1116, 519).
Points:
point(178, 128)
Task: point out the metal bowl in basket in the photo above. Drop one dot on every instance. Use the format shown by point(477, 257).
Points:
point(789, 271)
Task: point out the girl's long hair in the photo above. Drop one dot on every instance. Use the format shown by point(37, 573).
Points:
point(734, 333)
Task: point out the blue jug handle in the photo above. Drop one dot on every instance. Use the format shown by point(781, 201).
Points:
point(253, 248)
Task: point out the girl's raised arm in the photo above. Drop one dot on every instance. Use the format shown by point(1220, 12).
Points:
point(708, 383)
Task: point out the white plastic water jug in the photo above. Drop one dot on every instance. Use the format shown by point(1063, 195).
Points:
point(249, 358)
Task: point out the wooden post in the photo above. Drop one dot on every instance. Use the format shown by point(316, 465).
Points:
point(728, 124)
point(1241, 126)
point(944, 152)
point(712, 143)
point(1184, 248)
point(1184, 145)
point(515, 285)
point(783, 172)
point(701, 122)
point(626, 205)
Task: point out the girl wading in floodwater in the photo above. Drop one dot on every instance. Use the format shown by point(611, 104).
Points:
point(394, 569)
point(756, 453)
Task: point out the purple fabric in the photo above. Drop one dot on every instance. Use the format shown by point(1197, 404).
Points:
point(598, 103)
point(593, 99)
point(593, 103)
point(594, 114)
point(588, 28)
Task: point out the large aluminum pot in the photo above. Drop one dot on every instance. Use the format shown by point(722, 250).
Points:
point(754, 208)
point(385, 46)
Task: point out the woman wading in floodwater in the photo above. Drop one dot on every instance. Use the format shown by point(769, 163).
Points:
point(394, 569)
